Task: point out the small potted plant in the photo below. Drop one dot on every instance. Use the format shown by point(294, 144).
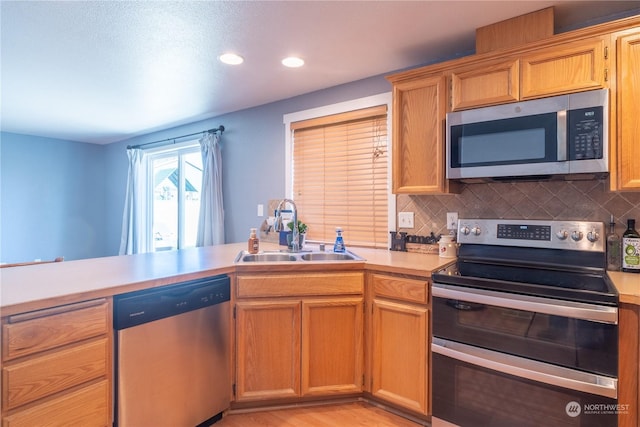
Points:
point(302, 232)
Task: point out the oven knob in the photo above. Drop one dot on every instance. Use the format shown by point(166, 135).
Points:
point(576, 235)
point(464, 230)
point(476, 231)
point(562, 234)
point(593, 236)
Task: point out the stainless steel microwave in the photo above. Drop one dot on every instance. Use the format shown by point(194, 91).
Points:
point(544, 138)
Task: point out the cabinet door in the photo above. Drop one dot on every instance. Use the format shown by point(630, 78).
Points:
point(628, 111)
point(400, 371)
point(563, 69)
point(268, 350)
point(418, 136)
point(487, 84)
point(332, 346)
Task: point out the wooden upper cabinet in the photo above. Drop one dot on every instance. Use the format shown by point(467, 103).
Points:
point(419, 108)
point(489, 84)
point(571, 67)
point(626, 173)
point(555, 70)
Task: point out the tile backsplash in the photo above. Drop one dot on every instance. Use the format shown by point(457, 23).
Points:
point(559, 200)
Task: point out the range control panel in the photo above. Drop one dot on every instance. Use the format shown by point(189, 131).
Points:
point(572, 235)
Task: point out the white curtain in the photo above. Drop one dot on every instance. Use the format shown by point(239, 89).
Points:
point(134, 239)
point(211, 220)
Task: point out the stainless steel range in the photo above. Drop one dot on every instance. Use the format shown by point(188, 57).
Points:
point(525, 327)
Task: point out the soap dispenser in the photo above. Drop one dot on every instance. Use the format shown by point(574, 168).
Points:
point(254, 242)
point(339, 244)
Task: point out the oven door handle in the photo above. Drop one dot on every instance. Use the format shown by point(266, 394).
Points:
point(576, 310)
point(529, 369)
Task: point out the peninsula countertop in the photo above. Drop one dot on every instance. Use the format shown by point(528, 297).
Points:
point(40, 286)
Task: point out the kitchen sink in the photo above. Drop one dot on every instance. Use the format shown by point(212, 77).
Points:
point(329, 256)
point(268, 257)
point(304, 256)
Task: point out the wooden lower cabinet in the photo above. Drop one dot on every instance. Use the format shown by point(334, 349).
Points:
point(628, 368)
point(57, 366)
point(307, 342)
point(332, 346)
point(399, 358)
point(268, 350)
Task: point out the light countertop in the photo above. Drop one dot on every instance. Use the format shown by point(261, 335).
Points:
point(628, 285)
point(39, 286)
point(44, 285)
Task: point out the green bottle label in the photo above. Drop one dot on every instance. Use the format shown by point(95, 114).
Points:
point(631, 253)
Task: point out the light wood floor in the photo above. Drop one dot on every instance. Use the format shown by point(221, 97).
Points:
point(337, 415)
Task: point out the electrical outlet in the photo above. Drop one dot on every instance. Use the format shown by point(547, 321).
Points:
point(452, 220)
point(405, 220)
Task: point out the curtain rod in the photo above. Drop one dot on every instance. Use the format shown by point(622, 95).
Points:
point(218, 129)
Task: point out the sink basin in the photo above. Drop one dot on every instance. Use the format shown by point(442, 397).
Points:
point(268, 258)
point(328, 256)
point(296, 257)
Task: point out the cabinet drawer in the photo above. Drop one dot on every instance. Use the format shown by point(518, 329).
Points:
point(37, 331)
point(399, 288)
point(35, 378)
point(87, 407)
point(300, 285)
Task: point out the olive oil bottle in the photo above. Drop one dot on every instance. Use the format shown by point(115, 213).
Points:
point(631, 248)
point(614, 260)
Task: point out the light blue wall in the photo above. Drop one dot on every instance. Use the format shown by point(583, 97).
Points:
point(62, 198)
point(52, 200)
point(253, 152)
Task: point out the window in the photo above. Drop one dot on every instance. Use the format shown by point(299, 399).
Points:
point(339, 173)
point(174, 186)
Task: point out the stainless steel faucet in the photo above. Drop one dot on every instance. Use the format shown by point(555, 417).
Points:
point(277, 225)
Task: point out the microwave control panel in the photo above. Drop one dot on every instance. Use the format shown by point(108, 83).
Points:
point(585, 133)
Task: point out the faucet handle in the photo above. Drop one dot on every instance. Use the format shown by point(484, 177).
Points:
point(277, 223)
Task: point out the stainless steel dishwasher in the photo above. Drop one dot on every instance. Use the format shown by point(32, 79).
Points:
point(172, 354)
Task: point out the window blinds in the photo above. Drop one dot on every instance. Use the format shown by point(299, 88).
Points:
point(340, 176)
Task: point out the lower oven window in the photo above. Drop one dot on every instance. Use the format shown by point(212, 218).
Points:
point(470, 395)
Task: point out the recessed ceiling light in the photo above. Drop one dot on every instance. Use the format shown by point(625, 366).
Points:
point(231, 59)
point(293, 62)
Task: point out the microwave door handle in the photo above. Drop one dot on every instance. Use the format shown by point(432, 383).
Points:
point(562, 141)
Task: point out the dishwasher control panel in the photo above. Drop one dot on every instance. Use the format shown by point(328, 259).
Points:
point(136, 308)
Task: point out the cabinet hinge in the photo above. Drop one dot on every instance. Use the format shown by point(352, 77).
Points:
point(363, 380)
point(233, 389)
point(606, 74)
point(234, 313)
point(606, 52)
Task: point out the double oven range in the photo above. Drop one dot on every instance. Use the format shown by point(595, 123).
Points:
point(525, 327)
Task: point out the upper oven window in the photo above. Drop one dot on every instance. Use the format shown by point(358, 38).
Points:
point(574, 343)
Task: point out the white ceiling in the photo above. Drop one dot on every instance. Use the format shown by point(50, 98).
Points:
point(104, 71)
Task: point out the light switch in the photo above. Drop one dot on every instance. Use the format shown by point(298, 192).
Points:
point(405, 220)
point(260, 210)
